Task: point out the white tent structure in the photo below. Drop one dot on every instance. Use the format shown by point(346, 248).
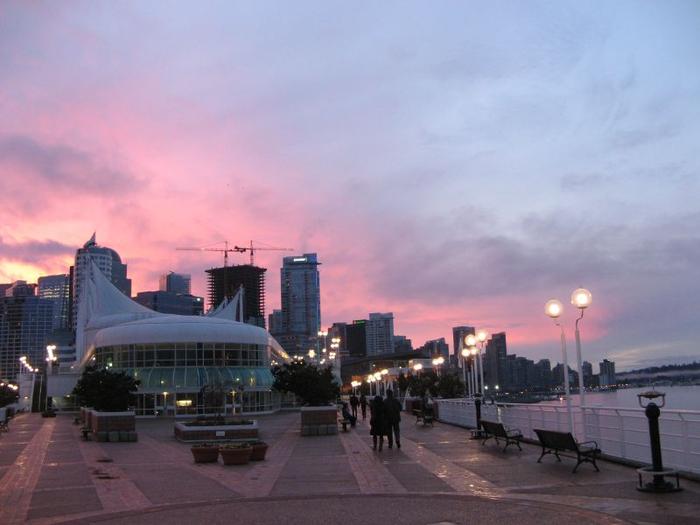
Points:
point(174, 356)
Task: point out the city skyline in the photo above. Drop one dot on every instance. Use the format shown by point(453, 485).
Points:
point(439, 175)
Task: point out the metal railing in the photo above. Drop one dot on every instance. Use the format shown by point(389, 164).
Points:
point(620, 432)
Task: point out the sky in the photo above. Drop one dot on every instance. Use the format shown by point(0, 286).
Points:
point(450, 162)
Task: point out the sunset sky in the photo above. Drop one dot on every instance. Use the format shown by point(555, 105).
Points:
point(451, 162)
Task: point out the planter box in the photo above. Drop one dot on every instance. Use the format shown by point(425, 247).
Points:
point(216, 432)
point(117, 426)
point(235, 456)
point(319, 421)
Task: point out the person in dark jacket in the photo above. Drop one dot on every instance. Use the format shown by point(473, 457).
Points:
point(378, 424)
point(363, 406)
point(347, 415)
point(392, 407)
point(353, 404)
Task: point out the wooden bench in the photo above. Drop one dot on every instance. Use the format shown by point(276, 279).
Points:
point(345, 423)
point(422, 416)
point(554, 442)
point(4, 425)
point(86, 433)
point(498, 431)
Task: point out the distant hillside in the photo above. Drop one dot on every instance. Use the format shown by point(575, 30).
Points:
point(676, 372)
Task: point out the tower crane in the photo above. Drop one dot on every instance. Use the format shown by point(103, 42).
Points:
point(252, 249)
point(237, 249)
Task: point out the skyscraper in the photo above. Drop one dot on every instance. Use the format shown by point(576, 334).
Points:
point(25, 324)
point(176, 283)
point(380, 334)
point(607, 373)
point(495, 357)
point(107, 260)
point(224, 282)
point(56, 288)
point(458, 335)
point(301, 303)
point(171, 303)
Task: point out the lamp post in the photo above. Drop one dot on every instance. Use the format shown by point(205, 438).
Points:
point(51, 358)
point(581, 299)
point(482, 336)
point(553, 309)
point(470, 340)
point(465, 354)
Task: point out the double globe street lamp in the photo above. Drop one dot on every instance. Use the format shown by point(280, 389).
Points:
point(581, 299)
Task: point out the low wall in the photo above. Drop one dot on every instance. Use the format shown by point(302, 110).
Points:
point(319, 421)
point(215, 432)
point(110, 426)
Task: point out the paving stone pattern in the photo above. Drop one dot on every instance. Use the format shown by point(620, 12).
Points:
point(49, 475)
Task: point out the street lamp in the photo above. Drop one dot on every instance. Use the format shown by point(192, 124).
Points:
point(581, 299)
point(465, 355)
point(553, 309)
point(470, 340)
point(481, 336)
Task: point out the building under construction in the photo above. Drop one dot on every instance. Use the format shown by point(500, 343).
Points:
point(225, 282)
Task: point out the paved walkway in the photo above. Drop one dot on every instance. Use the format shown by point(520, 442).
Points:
point(48, 475)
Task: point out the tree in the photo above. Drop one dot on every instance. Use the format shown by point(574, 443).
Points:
point(104, 390)
point(423, 383)
point(402, 381)
point(7, 396)
point(449, 386)
point(316, 387)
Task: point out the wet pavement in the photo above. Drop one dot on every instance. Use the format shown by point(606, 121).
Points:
point(439, 476)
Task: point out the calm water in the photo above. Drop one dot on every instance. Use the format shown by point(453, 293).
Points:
point(677, 397)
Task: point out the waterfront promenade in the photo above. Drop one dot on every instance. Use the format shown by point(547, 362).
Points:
point(49, 475)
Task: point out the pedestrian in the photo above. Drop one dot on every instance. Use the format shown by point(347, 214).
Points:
point(363, 406)
point(347, 415)
point(378, 424)
point(353, 404)
point(392, 407)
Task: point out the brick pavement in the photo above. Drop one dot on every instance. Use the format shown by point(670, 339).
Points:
point(52, 476)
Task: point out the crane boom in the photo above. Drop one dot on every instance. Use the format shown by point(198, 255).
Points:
point(237, 249)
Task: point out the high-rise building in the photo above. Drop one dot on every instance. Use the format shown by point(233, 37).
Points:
point(402, 345)
point(607, 373)
point(587, 370)
point(339, 331)
point(25, 324)
point(436, 348)
point(356, 334)
point(107, 260)
point(176, 283)
point(275, 322)
point(301, 303)
point(224, 283)
point(56, 288)
point(171, 303)
point(544, 372)
point(495, 372)
point(380, 334)
point(458, 335)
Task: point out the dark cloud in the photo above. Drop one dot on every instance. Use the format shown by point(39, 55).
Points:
point(33, 250)
point(61, 166)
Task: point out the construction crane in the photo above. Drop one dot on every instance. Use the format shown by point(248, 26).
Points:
point(252, 249)
point(236, 249)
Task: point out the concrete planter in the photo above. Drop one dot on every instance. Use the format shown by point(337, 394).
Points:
point(235, 456)
point(216, 432)
point(204, 454)
point(319, 421)
point(116, 426)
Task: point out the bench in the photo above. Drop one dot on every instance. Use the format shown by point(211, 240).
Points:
point(423, 416)
point(554, 442)
point(86, 433)
point(4, 426)
point(498, 431)
point(345, 423)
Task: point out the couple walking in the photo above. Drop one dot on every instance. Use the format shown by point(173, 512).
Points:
point(384, 420)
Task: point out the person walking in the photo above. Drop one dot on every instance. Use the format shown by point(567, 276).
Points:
point(363, 406)
point(378, 424)
point(353, 404)
point(392, 407)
